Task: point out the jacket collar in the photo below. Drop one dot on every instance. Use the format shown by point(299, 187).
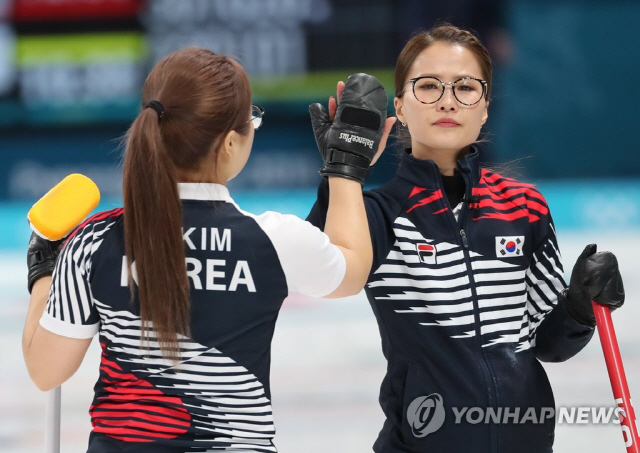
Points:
point(426, 174)
point(203, 191)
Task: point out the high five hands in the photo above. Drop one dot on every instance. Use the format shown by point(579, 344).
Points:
point(353, 133)
point(388, 124)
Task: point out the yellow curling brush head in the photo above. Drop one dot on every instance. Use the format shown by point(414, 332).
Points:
point(62, 208)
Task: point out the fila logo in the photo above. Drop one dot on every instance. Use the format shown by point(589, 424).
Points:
point(509, 246)
point(426, 253)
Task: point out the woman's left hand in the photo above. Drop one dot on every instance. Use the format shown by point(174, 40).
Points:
point(596, 277)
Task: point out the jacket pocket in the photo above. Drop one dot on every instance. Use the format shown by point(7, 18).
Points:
point(423, 410)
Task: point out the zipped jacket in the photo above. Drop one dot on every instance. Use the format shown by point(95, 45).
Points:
point(466, 300)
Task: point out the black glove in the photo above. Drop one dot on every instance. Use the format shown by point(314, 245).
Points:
point(595, 276)
point(41, 257)
point(347, 145)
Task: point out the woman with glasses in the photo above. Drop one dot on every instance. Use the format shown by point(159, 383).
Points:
point(467, 282)
point(182, 286)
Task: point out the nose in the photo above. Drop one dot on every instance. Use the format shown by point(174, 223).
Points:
point(448, 102)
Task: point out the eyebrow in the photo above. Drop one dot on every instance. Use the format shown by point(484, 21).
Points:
point(456, 77)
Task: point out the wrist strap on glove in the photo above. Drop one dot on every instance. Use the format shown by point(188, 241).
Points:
point(41, 258)
point(581, 313)
point(349, 142)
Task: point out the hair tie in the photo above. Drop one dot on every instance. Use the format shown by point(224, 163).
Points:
point(155, 105)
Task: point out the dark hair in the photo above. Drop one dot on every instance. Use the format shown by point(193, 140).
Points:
point(445, 33)
point(204, 97)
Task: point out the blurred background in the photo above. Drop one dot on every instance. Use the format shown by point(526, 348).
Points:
point(564, 117)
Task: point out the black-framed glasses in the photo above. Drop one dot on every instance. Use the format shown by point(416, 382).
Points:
point(428, 90)
point(257, 115)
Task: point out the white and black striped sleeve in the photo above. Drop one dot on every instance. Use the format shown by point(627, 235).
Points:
point(545, 282)
point(554, 335)
point(70, 311)
point(312, 265)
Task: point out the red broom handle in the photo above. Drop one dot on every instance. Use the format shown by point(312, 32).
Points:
point(617, 377)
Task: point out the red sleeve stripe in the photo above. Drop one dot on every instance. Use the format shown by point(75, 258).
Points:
point(441, 211)
point(494, 178)
point(508, 194)
point(103, 215)
point(518, 203)
point(416, 190)
point(509, 216)
point(505, 185)
point(99, 216)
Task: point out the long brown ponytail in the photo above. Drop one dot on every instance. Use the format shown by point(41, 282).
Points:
point(204, 97)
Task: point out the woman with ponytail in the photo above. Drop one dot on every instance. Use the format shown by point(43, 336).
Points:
point(182, 286)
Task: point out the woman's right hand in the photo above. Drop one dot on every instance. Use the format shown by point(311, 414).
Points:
point(348, 142)
point(388, 124)
point(347, 147)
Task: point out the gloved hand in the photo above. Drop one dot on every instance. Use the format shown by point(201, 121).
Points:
point(349, 142)
point(41, 257)
point(595, 276)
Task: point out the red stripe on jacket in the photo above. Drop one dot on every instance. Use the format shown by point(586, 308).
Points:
point(99, 216)
point(425, 201)
point(139, 397)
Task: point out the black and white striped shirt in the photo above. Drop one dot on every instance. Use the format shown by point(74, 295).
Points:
point(241, 267)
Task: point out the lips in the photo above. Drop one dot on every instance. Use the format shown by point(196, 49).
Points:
point(446, 122)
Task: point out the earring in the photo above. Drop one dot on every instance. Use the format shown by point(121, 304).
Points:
point(403, 124)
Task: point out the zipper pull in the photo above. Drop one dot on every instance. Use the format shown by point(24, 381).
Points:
point(463, 235)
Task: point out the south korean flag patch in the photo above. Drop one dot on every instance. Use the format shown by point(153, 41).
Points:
point(509, 246)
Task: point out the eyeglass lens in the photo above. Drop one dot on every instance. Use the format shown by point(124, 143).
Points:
point(466, 90)
point(256, 117)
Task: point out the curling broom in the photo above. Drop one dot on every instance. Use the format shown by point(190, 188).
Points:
point(53, 217)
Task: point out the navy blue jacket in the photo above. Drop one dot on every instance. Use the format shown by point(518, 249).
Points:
point(466, 301)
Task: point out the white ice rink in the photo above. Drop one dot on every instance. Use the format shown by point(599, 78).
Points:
point(327, 368)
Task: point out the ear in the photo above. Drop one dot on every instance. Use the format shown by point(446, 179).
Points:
point(228, 146)
point(397, 103)
point(485, 114)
